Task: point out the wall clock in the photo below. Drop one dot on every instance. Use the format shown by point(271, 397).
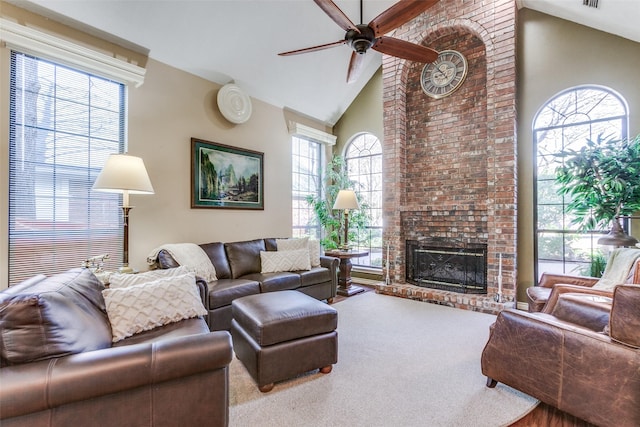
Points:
point(444, 75)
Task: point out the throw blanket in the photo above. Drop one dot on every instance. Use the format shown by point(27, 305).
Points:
point(190, 255)
point(618, 267)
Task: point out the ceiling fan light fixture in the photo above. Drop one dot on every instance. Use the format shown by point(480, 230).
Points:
point(361, 46)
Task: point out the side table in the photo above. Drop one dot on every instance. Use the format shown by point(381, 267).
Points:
point(345, 288)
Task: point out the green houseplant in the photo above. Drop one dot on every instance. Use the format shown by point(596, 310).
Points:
point(335, 179)
point(602, 180)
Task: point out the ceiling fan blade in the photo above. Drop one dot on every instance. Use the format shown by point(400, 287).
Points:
point(312, 49)
point(338, 16)
point(405, 50)
point(398, 14)
point(355, 67)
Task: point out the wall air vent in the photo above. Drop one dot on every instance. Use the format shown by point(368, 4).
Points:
point(590, 3)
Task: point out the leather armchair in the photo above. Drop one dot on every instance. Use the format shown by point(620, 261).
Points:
point(537, 296)
point(580, 355)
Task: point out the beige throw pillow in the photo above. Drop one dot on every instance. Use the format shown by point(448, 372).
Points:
point(119, 280)
point(146, 306)
point(276, 261)
point(312, 245)
point(292, 244)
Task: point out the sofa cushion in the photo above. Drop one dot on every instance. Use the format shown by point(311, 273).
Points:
point(272, 282)
point(273, 262)
point(195, 325)
point(61, 315)
point(216, 253)
point(146, 306)
point(244, 257)
point(122, 280)
point(223, 291)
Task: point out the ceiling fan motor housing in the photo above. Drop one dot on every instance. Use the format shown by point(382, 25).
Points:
point(362, 41)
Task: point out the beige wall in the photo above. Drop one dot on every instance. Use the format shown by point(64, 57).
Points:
point(363, 115)
point(164, 113)
point(555, 55)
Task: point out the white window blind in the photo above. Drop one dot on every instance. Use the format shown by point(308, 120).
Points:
point(64, 123)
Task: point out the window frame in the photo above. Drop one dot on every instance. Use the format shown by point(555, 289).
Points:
point(566, 230)
point(374, 231)
point(89, 236)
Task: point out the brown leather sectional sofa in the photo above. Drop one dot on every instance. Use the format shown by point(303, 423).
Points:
point(59, 367)
point(238, 269)
point(581, 354)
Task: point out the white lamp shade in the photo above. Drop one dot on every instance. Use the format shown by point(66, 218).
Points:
point(346, 200)
point(123, 172)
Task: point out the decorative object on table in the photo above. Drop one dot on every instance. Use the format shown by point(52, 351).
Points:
point(124, 174)
point(96, 265)
point(234, 104)
point(346, 201)
point(335, 178)
point(445, 75)
point(226, 177)
point(363, 37)
point(602, 182)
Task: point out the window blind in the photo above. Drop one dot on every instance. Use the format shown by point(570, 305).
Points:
point(64, 123)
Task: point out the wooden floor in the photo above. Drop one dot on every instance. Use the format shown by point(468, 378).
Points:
point(544, 415)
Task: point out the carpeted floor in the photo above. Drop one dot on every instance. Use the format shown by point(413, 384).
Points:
point(400, 363)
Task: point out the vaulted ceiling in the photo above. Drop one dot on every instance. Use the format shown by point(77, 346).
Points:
point(238, 41)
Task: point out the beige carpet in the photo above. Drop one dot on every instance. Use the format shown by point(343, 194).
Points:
point(400, 363)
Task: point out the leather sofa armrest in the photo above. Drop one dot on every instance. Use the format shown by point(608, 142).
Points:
point(39, 386)
point(562, 288)
point(548, 280)
point(332, 263)
point(624, 322)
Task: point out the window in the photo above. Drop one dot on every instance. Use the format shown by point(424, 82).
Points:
point(63, 125)
point(307, 175)
point(566, 122)
point(363, 156)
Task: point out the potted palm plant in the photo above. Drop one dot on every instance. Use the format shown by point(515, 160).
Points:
point(602, 180)
point(335, 179)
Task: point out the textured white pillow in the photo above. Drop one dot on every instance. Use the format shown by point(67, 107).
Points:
point(146, 306)
point(292, 244)
point(312, 245)
point(314, 252)
point(276, 261)
point(119, 280)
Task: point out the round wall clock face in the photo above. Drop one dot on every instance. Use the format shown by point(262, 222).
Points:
point(443, 76)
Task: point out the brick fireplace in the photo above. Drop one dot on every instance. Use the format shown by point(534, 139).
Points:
point(450, 164)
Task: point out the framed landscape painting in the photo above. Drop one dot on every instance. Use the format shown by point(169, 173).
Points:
point(226, 177)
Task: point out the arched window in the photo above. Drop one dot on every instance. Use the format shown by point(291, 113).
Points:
point(567, 121)
point(363, 156)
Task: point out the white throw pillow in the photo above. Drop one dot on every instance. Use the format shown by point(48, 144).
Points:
point(314, 252)
point(146, 306)
point(292, 244)
point(276, 261)
point(119, 280)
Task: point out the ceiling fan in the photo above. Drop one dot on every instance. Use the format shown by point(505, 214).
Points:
point(361, 37)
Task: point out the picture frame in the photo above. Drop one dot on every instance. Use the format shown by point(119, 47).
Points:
point(226, 177)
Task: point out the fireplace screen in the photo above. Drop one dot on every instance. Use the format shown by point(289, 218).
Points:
point(452, 269)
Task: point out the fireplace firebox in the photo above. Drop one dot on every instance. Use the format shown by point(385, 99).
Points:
point(455, 269)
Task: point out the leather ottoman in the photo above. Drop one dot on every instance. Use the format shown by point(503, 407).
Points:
point(279, 335)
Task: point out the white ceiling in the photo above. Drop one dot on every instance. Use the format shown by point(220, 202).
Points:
point(238, 41)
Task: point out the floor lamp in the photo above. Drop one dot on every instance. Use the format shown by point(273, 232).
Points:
point(617, 237)
point(126, 175)
point(345, 201)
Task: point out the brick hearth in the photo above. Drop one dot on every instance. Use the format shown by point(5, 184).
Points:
point(450, 163)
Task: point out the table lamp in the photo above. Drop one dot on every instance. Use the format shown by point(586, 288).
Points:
point(346, 200)
point(124, 174)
